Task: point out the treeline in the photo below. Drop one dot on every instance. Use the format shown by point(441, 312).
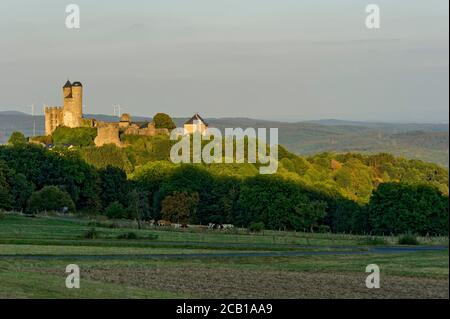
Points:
point(34, 179)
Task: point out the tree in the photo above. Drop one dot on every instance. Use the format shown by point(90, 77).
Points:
point(64, 168)
point(6, 199)
point(190, 179)
point(138, 207)
point(280, 204)
point(162, 120)
point(179, 206)
point(114, 186)
point(15, 190)
point(21, 191)
point(116, 210)
point(397, 208)
point(50, 198)
point(308, 214)
point(17, 138)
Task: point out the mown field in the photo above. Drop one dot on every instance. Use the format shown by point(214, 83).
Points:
point(167, 263)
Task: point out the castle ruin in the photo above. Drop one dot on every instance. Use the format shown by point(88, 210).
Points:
point(71, 115)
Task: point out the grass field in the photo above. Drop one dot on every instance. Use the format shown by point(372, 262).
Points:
point(34, 253)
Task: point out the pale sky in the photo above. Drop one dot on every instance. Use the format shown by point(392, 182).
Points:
point(268, 59)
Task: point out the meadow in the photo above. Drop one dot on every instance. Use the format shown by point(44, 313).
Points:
point(198, 263)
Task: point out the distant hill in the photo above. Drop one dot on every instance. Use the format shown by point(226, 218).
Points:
point(428, 142)
point(393, 127)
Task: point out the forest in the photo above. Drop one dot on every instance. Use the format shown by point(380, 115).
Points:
point(328, 192)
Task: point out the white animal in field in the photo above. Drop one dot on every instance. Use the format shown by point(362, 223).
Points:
point(227, 226)
point(176, 225)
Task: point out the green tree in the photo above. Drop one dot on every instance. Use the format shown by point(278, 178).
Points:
point(397, 208)
point(50, 198)
point(116, 210)
point(162, 120)
point(6, 199)
point(114, 186)
point(138, 205)
point(179, 206)
point(17, 138)
point(309, 214)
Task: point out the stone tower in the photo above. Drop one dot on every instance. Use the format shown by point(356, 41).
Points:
point(73, 104)
point(71, 113)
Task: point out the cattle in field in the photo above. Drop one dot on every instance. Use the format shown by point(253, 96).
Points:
point(176, 225)
point(163, 222)
point(218, 226)
point(227, 226)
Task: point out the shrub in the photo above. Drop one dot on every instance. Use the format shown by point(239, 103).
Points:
point(80, 136)
point(129, 235)
point(50, 198)
point(91, 234)
point(256, 227)
point(115, 210)
point(408, 239)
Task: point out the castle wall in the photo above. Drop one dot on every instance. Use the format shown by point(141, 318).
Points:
point(108, 133)
point(53, 119)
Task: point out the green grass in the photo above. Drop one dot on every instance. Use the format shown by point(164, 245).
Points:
point(45, 278)
point(48, 230)
point(37, 285)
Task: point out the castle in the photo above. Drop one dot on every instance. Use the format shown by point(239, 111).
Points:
point(71, 115)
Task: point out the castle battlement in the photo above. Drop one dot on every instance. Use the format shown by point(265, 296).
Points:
point(71, 113)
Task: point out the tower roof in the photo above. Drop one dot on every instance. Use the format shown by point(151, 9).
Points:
point(67, 85)
point(196, 117)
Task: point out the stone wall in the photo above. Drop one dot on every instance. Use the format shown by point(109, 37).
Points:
point(108, 133)
point(53, 118)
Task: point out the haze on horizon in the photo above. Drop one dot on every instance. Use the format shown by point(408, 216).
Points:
point(266, 59)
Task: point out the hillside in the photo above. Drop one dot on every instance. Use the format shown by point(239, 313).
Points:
point(427, 142)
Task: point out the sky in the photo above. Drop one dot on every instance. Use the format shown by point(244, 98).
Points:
point(268, 59)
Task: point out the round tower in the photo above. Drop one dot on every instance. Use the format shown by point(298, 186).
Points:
point(67, 90)
point(77, 103)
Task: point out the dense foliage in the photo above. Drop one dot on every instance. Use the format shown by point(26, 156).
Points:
point(81, 136)
point(162, 120)
point(17, 138)
point(327, 192)
point(50, 198)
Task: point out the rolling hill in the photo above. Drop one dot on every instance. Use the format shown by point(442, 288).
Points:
point(427, 142)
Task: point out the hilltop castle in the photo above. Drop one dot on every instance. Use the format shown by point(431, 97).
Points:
point(71, 115)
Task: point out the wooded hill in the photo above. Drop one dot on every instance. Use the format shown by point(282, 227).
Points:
point(325, 192)
point(427, 142)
